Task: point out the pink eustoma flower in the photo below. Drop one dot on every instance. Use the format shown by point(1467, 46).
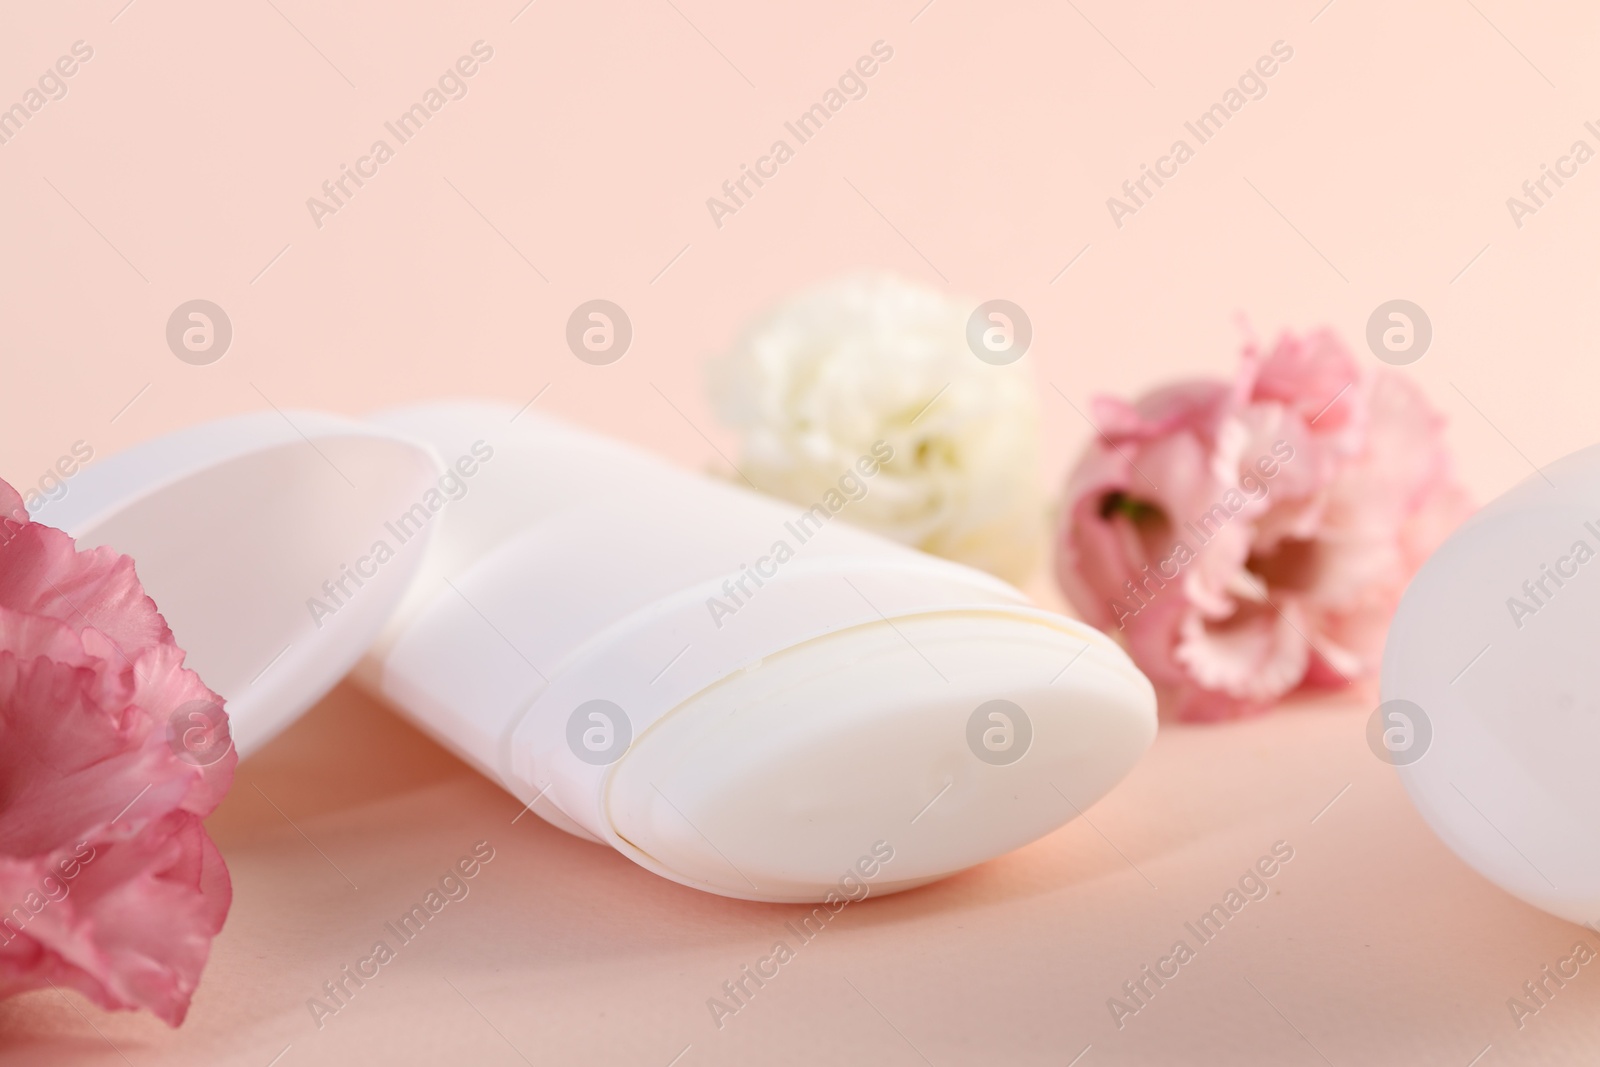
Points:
point(1251, 539)
point(111, 754)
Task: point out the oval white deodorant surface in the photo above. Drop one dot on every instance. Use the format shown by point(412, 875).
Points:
point(1491, 689)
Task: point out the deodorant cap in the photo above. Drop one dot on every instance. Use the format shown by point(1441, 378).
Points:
point(1491, 689)
point(255, 536)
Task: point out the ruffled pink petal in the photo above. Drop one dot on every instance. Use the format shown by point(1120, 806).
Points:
point(41, 573)
point(116, 890)
point(1322, 485)
point(1254, 656)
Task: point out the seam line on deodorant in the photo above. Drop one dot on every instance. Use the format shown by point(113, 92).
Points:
point(1285, 1018)
point(280, 1055)
point(896, 629)
point(694, 597)
point(1470, 662)
point(701, 832)
point(1503, 837)
point(1480, 1055)
point(650, 615)
point(1104, 838)
point(1089, 1046)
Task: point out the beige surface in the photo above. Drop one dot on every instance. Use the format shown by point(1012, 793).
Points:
point(1377, 167)
point(1376, 943)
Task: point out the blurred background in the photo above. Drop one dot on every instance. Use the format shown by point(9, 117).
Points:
point(578, 165)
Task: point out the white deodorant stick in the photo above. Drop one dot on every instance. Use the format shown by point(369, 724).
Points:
point(1491, 689)
point(744, 695)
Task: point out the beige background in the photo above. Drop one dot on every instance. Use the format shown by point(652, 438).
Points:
point(577, 167)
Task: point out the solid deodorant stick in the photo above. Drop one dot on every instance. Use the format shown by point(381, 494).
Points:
point(741, 694)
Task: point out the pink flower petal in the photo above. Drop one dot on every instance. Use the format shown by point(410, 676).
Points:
point(108, 882)
point(1307, 491)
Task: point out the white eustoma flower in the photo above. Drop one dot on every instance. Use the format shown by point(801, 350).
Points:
point(871, 358)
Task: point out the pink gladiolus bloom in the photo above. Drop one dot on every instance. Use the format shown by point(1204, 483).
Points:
point(1251, 539)
point(111, 754)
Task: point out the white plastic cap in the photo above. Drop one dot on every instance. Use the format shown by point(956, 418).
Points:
point(235, 526)
point(1491, 689)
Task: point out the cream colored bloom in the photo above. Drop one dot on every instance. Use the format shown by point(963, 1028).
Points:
point(819, 380)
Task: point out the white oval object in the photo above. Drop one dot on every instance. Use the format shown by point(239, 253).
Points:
point(742, 695)
point(1491, 689)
